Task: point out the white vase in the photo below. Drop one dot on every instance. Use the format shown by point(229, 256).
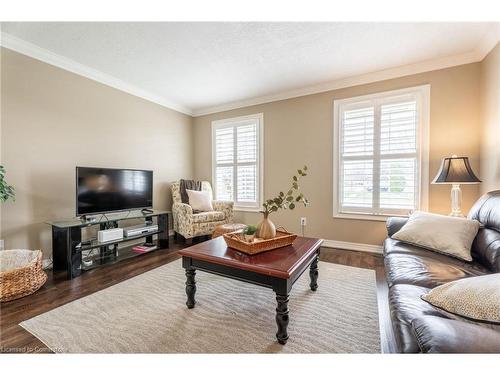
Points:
point(266, 228)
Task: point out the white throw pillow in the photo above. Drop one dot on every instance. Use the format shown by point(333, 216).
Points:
point(200, 200)
point(443, 234)
point(476, 298)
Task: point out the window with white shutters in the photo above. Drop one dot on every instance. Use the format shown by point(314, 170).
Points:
point(237, 160)
point(381, 146)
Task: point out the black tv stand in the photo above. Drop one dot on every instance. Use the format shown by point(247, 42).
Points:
point(67, 244)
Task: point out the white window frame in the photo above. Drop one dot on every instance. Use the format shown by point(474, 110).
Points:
point(422, 93)
point(229, 123)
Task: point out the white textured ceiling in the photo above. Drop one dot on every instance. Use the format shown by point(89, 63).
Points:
point(201, 65)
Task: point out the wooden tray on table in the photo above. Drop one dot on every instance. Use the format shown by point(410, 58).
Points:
point(282, 239)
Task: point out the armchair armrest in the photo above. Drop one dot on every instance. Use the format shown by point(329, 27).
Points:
point(182, 215)
point(222, 205)
point(182, 209)
point(226, 207)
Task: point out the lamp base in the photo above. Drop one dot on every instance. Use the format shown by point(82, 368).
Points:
point(456, 201)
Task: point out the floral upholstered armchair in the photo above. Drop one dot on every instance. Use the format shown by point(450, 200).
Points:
point(189, 224)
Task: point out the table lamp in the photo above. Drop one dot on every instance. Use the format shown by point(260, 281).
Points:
point(455, 171)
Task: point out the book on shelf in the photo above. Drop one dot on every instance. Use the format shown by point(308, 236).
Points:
point(143, 249)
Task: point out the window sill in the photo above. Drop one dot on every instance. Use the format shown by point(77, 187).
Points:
point(368, 217)
point(247, 209)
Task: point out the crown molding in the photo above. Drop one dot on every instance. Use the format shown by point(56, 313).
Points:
point(362, 79)
point(21, 46)
point(488, 42)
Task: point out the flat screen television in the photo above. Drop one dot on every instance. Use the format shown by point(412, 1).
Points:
point(101, 190)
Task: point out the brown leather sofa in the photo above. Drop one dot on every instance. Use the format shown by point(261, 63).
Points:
point(411, 271)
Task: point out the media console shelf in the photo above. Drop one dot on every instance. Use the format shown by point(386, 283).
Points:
point(67, 246)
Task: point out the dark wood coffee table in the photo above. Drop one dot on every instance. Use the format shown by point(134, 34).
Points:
point(276, 269)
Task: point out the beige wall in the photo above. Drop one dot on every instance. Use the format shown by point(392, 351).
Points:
point(490, 120)
point(53, 120)
point(299, 131)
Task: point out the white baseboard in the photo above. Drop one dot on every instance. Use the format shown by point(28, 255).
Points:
point(377, 249)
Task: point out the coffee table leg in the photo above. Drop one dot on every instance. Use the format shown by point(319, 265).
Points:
point(313, 273)
point(282, 318)
point(190, 287)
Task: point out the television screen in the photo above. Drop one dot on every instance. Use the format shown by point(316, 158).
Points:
point(100, 190)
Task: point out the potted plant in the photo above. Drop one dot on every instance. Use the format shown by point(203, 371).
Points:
point(6, 190)
point(249, 233)
point(266, 228)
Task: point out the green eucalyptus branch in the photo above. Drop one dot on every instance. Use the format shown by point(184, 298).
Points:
point(6, 190)
point(291, 198)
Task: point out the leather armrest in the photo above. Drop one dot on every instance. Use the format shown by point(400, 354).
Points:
point(441, 335)
point(393, 224)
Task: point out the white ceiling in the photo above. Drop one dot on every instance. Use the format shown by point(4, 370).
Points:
point(202, 67)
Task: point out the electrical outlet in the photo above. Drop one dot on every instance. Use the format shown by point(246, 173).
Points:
point(303, 221)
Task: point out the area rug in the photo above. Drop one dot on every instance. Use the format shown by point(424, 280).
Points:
point(147, 314)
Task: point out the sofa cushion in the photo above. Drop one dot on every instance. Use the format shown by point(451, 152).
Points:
point(449, 235)
point(486, 210)
point(406, 305)
point(476, 298)
point(204, 217)
point(486, 246)
point(408, 264)
point(440, 335)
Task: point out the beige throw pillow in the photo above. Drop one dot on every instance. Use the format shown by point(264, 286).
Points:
point(476, 298)
point(444, 234)
point(200, 200)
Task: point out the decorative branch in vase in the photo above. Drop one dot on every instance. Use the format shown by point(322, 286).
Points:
point(266, 228)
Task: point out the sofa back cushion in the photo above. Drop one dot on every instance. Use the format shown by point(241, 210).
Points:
point(486, 245)
point(444, 234)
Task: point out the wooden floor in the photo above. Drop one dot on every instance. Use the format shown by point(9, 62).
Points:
point(59, 291)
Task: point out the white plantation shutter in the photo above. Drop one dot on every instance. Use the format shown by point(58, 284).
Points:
point(357, 152)
point(236, 157)
point(398, 160)
point(378, 157)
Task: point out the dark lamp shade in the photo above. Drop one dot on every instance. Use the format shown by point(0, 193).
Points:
point(455, 170)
